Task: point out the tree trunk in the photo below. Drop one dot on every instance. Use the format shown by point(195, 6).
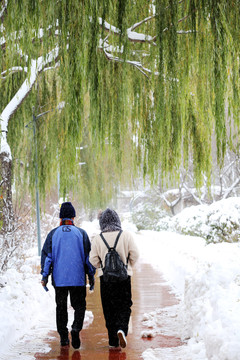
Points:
point(6, 206)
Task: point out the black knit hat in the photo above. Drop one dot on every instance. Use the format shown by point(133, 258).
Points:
point(67, 211)
point(109, 221)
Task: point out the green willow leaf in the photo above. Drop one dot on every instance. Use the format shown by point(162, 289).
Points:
point(145, 86)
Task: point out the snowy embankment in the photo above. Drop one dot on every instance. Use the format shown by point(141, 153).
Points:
point(22, 301)
point(207, 280)
point(27, 311)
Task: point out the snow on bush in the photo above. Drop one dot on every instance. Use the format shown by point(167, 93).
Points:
point(13, 246)
point(146, 215)
point(217, 222)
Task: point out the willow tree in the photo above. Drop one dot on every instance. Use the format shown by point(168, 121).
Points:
point(162, 74)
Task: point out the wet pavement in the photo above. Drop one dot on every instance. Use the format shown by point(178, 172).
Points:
point(149, 292)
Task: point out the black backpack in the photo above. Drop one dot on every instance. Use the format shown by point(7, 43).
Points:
point(114, 270)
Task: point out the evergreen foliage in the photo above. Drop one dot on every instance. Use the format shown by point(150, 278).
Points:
point(143, 83)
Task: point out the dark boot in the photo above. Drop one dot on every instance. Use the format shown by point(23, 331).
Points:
point(64, 340)
point(75, 339)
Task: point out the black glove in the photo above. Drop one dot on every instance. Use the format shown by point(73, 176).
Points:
point(91, 282)
point(44, 281)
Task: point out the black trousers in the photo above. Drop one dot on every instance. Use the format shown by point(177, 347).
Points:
point(78, 302)
point(116, 303)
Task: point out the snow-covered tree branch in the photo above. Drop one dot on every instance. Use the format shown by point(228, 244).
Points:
point(36, 67)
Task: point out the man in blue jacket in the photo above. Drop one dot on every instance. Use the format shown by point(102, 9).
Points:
point(65, 255)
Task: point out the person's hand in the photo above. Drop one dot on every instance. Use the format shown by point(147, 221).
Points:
point(44, 281)
point(91, 282)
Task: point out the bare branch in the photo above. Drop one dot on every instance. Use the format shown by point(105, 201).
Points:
point(228, 167)
point(149, 18)
point(228, 192)
point(57, 64)
point(140, 69)
point(166, 200)
point(109, 27)
point(142, 22)
point(183, 32)
point(132, 35)
point(108, 49)
point(136, 64)
point(13, 70)
point(192, 193)
point(184, 18)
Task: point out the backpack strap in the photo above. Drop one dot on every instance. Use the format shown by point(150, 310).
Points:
point(105, 241)
point(116, 241)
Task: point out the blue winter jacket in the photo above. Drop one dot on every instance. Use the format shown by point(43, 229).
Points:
point(65, 254)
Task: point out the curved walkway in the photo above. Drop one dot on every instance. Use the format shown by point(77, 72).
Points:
point(149, 293)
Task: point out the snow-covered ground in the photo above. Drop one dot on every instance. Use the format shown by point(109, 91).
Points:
point(206, 278)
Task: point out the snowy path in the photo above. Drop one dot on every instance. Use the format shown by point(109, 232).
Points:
point(156, 316)
point(153, 326)
point(205, 277)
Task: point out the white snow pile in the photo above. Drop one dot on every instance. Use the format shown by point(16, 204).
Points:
point(217, 222)
point(206, 278)
point(212, 302)
point(162, 321)
point(25, 306)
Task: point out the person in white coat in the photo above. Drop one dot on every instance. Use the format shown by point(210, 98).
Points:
point(116, 297)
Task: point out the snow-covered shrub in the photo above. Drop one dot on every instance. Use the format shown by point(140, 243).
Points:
point(146, 216)
point(13, 246)
point(217, 222)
